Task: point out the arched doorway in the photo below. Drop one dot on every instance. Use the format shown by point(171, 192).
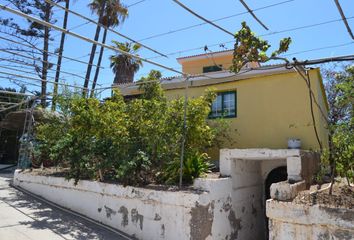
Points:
point(278, 174)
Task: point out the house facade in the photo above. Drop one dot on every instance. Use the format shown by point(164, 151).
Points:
point(264, 106)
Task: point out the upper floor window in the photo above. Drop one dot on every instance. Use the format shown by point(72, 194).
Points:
point(213, 68)
point(224, 105)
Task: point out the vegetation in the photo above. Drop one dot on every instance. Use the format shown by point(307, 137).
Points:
point(135, 142)
point(249, 48)
point(32, 31)
point(123, 66)
point(10, 98)
point(340, 92)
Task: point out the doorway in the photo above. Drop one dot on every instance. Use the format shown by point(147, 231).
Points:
point(278, 174)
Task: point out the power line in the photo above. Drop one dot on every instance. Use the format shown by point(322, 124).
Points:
point(41, 80)
point(84, 38)
point(103, 26)
point(20, 70)
point(253, 15)
point(96, 19)
point(202, 18)
point(28, 64)
point(20, 82)
point(344, 18)
point(37, 59)
point(41, 50)
point(136, 3)
point(215, 20)
point(320, 48)
point(267, 34)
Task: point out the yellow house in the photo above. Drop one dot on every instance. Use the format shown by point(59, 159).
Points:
point(265, 106)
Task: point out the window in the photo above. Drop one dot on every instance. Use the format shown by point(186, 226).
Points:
point(224, 105)
point(213, 68)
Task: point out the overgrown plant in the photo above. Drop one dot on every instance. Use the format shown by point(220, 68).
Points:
point(135, 142)
point(250, 48)
point(340, 92)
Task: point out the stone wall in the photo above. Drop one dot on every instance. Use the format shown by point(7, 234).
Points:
point(204, 213)
point(289, 221)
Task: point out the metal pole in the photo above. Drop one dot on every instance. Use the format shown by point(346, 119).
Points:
point(184, 132)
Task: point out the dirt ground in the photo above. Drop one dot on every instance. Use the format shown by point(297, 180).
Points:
point(342, 195)
point(62, 172)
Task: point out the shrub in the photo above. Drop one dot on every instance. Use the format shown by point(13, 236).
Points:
point(135, 142)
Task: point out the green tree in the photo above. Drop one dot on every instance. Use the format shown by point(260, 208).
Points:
point(340, 94)
point(124, 67)
point(250, 48)
point(44, 11)
point(135, 142)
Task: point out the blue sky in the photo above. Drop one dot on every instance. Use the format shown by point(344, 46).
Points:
point(152, 17)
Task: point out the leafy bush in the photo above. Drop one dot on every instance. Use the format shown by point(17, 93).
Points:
point(340, 92)
point(135, 142)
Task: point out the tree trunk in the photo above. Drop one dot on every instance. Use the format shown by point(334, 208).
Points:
point(93, 50)
point(45, 56)
point(61, 49)
point(98, 64)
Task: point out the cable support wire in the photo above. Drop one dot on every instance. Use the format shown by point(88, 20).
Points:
point(19, 104)
point(50, 53)
point(19, 82)
point(103, 26)
point(262, 35)
point(15, 93)
point(28, 64)
point(27, 72)
point(262, 68)
point(253, 15)
point(215, 20)
point(41, 80)
point(44, 23)
point(39, 59)
point(96, 19)
point(344, 18)
point(202, 18)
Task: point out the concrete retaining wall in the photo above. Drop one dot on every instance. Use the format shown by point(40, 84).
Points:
point(288, 221)
point(144, 213)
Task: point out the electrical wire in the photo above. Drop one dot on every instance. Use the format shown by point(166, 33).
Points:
point(18, 13)
point(215, 20)
point(96, 19)
point(41, 80)
point(253, 15)
point(40, 60)
point(103, 26)
point(31, 65)
point(50, 53)
point(263, 35)
point(344, 19)
point(203, 18)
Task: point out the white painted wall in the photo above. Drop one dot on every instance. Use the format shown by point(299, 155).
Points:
point(290, 221)
point(140, 212)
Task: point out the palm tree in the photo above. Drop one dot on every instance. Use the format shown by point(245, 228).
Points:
point(114, 14)
point(61, 49)
point(102, 4)
point(124, 67)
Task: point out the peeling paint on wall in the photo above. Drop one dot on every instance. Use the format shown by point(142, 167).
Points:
point(136, 217)
point(157, 217)
point(235, 224)
point(124, 211)
point(109, 212)
point(201, 221)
